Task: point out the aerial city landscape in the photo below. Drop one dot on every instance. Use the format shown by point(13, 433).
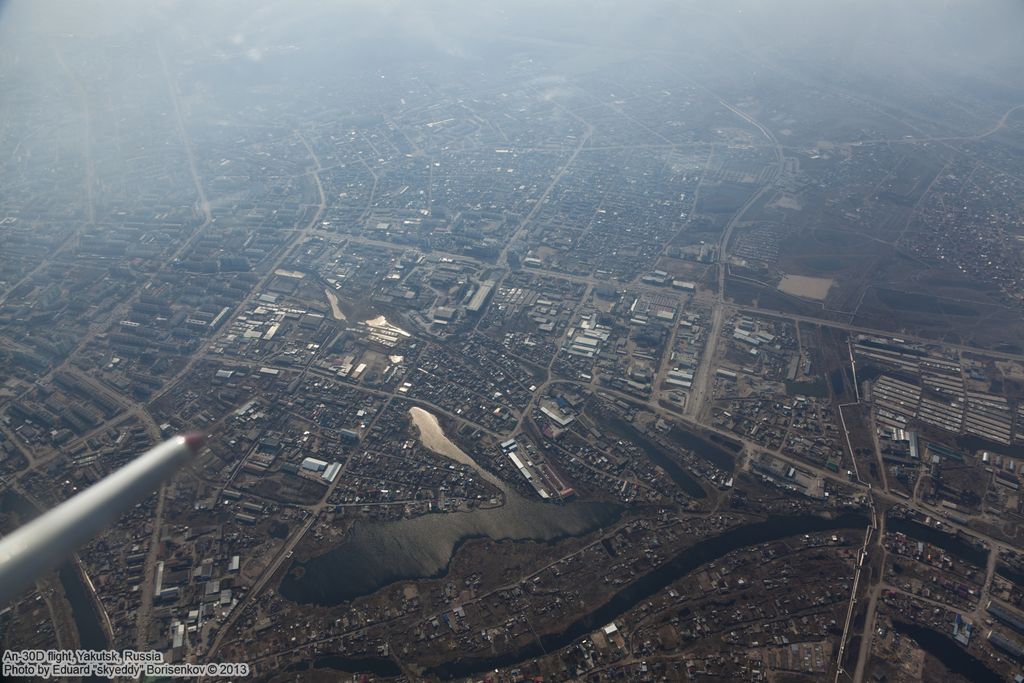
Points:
point(576, 343)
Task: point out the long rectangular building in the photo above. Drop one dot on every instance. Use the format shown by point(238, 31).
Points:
point(479, 300)
point(1012, 619)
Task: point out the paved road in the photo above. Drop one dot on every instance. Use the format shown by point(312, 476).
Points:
point(695, 409)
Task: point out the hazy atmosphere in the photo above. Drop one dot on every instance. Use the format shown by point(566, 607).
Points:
point(566, 341)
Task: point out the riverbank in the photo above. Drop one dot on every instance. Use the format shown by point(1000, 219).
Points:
point(84, 612)
point(685, 562)
point(378, 554)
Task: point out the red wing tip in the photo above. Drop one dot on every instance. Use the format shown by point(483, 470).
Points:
point(195, 441)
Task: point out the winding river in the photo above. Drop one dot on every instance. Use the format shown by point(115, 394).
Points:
point(380, 553)
point(684, 562)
